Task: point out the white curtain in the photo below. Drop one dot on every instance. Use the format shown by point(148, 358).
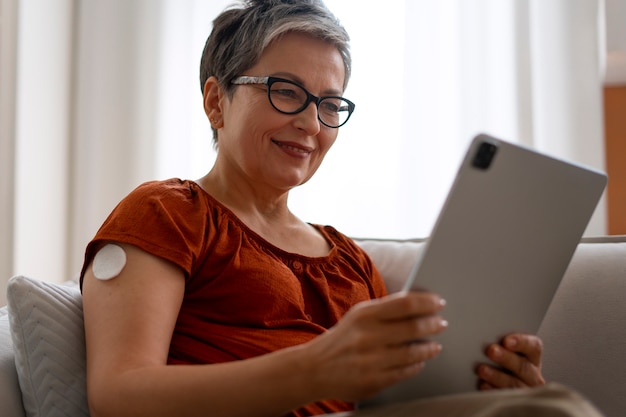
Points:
point(38, 221)
point(8, 69)
point(431, 74)
point(428, 74)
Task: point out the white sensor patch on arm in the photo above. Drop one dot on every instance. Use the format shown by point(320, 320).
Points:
point(108, 262)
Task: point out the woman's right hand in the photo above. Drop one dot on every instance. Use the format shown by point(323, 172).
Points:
point(376, 344)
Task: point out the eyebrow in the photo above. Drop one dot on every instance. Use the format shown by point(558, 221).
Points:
point(299, 80)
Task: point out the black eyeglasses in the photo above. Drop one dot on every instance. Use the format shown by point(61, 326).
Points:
point(289, 97)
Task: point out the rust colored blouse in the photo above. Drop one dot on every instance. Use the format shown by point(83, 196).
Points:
point(243, 297)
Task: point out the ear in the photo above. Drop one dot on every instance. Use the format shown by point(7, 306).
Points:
point(213, 95)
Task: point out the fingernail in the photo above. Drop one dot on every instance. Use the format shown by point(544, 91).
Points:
point(434, 348)
point(496, 352)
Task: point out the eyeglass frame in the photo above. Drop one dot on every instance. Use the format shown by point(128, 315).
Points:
point(310, 98)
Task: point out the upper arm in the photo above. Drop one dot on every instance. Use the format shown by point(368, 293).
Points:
point(129, 320)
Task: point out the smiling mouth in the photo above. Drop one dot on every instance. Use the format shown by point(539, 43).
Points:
point(304, 151)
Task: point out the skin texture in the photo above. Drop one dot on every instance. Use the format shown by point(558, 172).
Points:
point(262, 155)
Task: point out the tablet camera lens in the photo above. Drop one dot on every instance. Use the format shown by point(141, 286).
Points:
point(484, 155)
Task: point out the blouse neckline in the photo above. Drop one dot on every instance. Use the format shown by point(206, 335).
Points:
point(323, 230)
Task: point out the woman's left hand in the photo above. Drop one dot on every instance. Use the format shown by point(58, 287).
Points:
point(519, 359)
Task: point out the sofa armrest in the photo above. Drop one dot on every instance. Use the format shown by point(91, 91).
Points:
point(584, 331)
point(10, 394)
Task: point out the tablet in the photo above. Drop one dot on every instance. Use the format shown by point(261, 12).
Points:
point(499, 248)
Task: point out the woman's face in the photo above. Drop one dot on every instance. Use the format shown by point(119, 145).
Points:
point(270, 149)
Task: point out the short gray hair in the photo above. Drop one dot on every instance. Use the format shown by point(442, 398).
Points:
point(242, 32)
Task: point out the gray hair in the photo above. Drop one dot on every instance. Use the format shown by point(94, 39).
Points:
point(242, 32)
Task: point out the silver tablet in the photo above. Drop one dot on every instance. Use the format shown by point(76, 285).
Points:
point(503, 240)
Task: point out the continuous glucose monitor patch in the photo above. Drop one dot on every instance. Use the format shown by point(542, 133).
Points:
point(108, 262)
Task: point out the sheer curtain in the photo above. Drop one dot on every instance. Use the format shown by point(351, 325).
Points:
point(428, 74)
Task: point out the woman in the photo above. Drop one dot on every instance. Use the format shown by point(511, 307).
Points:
point(210, 297)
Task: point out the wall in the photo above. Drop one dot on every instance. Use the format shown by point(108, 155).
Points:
point(615, 114)
point(615, 134)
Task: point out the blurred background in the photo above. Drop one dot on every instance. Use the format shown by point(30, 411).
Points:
point(97, 96)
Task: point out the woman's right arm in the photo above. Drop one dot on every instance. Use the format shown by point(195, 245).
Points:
point(129, 321)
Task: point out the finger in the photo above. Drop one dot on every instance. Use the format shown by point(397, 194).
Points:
point(400, 333)
point(518, 366)
point(408, 361)
point(416, 329)
point(402, 305)
point(492, 378)
point(367, 331)
point(485, 386)
point(411, 354)
point(528, 345)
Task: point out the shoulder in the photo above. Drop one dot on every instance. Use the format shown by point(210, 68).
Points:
point(172, 195)
point(172, 189)
point(345, 246)
point(337, 237)
point(166, 218)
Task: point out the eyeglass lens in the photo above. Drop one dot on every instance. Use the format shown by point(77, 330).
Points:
point(291, 98)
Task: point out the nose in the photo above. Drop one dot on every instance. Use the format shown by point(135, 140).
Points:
point(308, 121)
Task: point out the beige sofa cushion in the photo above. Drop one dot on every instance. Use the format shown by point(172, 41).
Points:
point(49, 339)
point(393, 258)
point(10, 397)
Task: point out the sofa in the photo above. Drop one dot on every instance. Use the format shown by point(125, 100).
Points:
point(584, 331)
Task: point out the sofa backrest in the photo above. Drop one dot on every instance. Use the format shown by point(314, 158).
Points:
point(584, 331)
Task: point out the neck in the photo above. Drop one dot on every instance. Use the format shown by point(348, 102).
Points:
point(266, 213)
point(247, 199)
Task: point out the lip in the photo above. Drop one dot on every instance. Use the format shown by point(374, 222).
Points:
point(293, 148)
